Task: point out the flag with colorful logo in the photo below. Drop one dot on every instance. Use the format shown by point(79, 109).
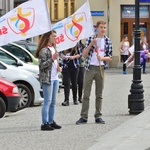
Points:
point(27, 20)
point(74, 28)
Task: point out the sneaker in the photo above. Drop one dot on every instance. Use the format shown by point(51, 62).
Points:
point(80, 100)
point(55, 126)
point(124, 72)
point(144, 73)
point(65, 103)
point(81, 121)
point(47, 127)
point(99, 121)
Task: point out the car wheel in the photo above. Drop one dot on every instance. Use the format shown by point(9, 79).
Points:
point(2, 107)
point(26, 97)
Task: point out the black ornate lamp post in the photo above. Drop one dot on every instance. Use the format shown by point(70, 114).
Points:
point(136, 98)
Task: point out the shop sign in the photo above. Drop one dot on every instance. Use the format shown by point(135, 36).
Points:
point(144, 1)
point(97, 13)
point(128, 11)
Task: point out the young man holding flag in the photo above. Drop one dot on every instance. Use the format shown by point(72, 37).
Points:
point(98, 50)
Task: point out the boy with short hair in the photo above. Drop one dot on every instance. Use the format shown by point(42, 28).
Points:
point(97, 52)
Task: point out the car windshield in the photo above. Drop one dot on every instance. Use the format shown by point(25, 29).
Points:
point(17, 51)
point(32, 48)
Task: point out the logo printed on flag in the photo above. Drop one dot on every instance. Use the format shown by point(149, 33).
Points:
point(22, 21)
point(75, 26)
point(25, 21)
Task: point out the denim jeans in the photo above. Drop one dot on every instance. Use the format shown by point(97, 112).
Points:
point(50, 95)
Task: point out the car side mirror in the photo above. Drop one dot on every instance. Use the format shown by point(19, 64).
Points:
point(27, 59)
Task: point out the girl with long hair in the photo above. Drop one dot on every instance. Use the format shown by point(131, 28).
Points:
point(48, 76)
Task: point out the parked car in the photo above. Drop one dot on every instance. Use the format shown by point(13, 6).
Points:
point(9, 97)
point(21, 53)
point(10, 59)
point(28, 45)
point(27, 82)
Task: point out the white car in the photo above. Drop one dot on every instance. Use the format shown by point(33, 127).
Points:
point(10, 59)
point(27, 82)
point(21, 53)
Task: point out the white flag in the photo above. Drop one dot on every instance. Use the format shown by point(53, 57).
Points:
point(74, 28)
point(27, 20)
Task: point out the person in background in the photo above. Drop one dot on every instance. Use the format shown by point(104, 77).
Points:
point(70, 68)
point(81, 71)
point(123, 48)
point(143, 53)
point(48, 76)
point(96, 58)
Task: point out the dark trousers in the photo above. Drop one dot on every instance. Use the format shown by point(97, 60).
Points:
point(124, 58)
point(144, 65)
point(70, 76)
point(80, 81)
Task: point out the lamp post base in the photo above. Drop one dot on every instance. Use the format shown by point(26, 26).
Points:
point(136, 98)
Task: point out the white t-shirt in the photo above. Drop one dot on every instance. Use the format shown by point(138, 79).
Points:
point(100, 49)
point(125, 48)
point(144, 46)
point(54, 72)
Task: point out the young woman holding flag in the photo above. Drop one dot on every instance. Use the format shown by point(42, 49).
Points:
point(48, 74)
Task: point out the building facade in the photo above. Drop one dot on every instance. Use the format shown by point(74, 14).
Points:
point(119, 15)
point(120, 18)
point(6, 6)
point(58, 9)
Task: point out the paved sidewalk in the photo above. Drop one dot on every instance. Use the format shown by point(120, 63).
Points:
point(132, 135)
point(21, 130)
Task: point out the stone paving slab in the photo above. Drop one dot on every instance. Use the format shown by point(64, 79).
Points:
point(21, 130)
point(132, 135)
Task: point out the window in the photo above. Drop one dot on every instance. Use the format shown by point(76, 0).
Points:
point(18, 52)
point(72, 8)
point(32, 48)
point(56, 10)
point(66, 10)
point(125, 28)
point(4, 57)
point(2, 66)
point(22, 45)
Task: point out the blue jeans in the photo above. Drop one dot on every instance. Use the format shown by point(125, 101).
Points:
point(50, 95)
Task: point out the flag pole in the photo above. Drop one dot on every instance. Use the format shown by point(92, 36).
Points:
point(100, 67)
point(101, 71)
